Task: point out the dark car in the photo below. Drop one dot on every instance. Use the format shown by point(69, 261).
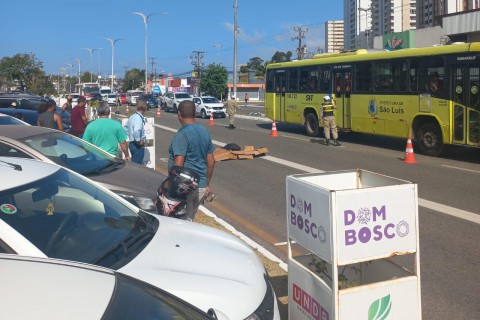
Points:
point(24, 106)
point(152, 101)
point(135, 183)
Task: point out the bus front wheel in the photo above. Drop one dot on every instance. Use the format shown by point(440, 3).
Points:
point(429, 139)
point(311, 125)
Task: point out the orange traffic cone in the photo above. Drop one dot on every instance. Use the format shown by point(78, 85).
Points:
point(158, 112)
point(127, 111)
point(274, 130)
point(409, 155)
point(211, 119)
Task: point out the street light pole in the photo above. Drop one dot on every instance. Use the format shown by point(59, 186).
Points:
point(366, 31)
point(145, 22)
point(90, 50)
point(71, 73)
point(78, 62)
point(235, 31)
point(112, 42)
point(99, 76)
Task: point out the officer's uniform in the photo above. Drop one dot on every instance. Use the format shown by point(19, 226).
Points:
point(231, 110)
point(329, 121)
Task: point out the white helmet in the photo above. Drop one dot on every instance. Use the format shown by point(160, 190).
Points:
point(326, 98)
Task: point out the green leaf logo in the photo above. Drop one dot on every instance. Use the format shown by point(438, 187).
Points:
point(380, 309)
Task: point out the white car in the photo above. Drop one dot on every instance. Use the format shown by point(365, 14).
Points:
point(204, 106)
point(173, 99)
point(37, 288)
point(111, 98)
point(50, 211)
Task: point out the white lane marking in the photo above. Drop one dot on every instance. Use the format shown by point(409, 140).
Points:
point(458, 168)
point(454, 212)
point(292, 164)
point(249, 241)
point(284, 243)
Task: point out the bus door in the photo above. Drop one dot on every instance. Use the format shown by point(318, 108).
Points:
point(342, 88)
point(466, 104)
point(280, 103)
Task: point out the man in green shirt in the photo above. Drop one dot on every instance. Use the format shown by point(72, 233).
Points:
point(107, 133)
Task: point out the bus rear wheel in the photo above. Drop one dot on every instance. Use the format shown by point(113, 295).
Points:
point(429, 139)
point(311, 125)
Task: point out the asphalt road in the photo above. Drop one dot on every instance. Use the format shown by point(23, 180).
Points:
point(251, 197)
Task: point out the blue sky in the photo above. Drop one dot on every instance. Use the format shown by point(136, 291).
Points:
point(57, 30)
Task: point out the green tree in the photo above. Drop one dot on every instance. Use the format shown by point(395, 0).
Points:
point(42, 85)
point(87, 76)
point(213, 80)
point(255, 63)
point(282, 57)
point(133, 79)
point(22, 69)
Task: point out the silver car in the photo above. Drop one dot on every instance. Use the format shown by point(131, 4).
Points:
point(137, 184)
point(39, 288)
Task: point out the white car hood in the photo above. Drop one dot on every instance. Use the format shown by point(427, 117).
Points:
point(204, 266)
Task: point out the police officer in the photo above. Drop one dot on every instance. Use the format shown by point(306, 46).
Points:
point(329, 121)
point(232, 110)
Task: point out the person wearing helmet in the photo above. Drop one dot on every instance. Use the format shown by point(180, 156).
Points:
point(232, 107)
point(329, 121)
point(192, 148)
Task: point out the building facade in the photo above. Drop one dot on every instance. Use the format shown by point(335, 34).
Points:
point(334, 36)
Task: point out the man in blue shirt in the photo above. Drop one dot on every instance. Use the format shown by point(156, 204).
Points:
point(136, 133)
point(192, 147)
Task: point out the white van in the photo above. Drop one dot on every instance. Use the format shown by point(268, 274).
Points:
point(132, 96)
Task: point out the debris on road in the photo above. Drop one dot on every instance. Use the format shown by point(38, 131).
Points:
point(248, 152)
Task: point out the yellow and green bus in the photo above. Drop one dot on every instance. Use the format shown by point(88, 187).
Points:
point(431, 94)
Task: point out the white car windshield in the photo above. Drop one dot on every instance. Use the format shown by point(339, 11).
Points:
point(182, 96)
point(210, 100)
point(67, 217)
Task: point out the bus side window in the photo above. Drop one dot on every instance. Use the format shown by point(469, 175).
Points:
point(363, 77)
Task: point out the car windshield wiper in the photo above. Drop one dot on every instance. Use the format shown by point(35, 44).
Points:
point(108, 168)
point(129, 244)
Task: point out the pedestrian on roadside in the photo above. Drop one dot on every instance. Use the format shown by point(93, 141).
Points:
point(329, 121)
point(79, 118)
point(246, 99)
point(192, 148)
point(136, 133)
point(47, 117)
point(68, 106)
point(106, 133)
point(232, 110)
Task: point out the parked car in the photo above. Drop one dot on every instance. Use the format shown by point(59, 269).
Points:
point(173, 99)
point(205, 105)
point(151, 101)
point(133, 95)
point(6, 119)
point(51, 211)
point(111, 98)
point(123, 98)
point(136, 183)
point(36, 288)
point(26, 109)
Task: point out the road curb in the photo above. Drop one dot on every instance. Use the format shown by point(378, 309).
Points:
point(243, 237)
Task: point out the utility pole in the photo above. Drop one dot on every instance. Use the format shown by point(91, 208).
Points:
point(126, 70)
point(301, 50)
point(197, 62)
point(235, 32)
point(153, 62)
